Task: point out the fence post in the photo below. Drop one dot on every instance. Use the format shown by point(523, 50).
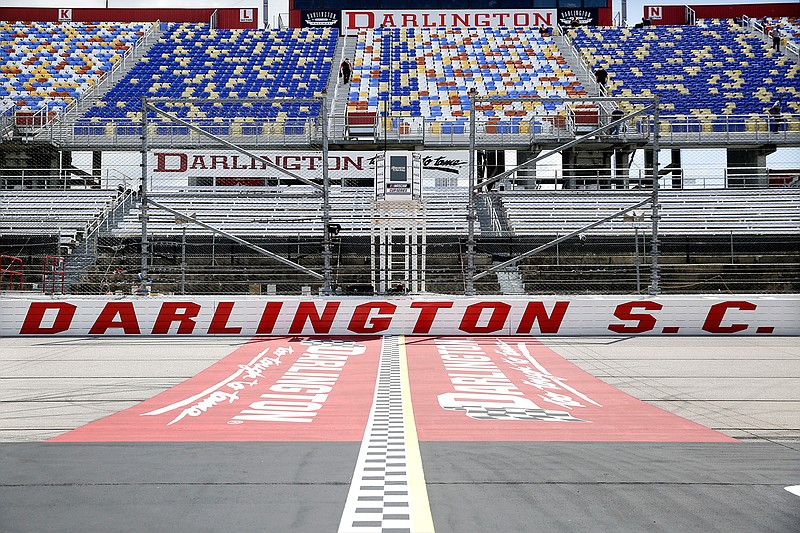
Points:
point(143, 285)
point(326, 206)
point(470, 285)
point(654, 270)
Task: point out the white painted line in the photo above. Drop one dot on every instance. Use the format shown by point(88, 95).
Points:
point(794, 489)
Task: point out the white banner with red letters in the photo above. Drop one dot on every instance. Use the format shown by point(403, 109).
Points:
point(353, 21)
point(242, 315)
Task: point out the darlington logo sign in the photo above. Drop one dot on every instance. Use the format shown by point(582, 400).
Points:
point(180, 166)
point(361, 316)
point(354, 21)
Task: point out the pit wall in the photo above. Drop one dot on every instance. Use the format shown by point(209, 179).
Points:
point(254, 316)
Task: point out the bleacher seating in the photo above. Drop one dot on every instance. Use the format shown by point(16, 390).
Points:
point(428, 73)
point(708, 69)
point(65, 213)
point(193, 61)
point(47, 66)
point(688, 212)
point(292, 211)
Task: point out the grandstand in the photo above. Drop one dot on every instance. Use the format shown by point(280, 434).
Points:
point(491, 98)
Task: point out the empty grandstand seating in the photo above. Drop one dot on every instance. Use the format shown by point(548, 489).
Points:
point(427, 73)
point(67, 214)
point(193, 62)
point(47, 66)
point(690, 212)
point(290, 212)
point(706, 70)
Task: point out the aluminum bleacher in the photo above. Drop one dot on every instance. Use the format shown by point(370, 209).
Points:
point(690, 212)
point(292, 211)
point(68, 214)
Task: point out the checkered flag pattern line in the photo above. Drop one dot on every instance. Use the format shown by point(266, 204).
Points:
point(378, 501)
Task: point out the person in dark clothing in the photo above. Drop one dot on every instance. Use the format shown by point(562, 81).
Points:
point(775, 117)
point(615, 115)
point(601, 75)
point(345, 69)
point(776, 39)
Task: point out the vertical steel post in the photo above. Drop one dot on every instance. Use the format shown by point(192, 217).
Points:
point(470, 285)
point(655, 274)
point(143, 274)
point(637, 262)
point(326, 206)
point(183, 259)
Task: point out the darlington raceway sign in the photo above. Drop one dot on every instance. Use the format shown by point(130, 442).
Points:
point(354, 21)
point(181, 168)
point(699, 315)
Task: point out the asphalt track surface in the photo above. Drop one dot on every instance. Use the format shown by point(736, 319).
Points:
point(661, 434)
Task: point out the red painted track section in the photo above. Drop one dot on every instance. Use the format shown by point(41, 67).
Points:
point(516, 389)
point(275, 389)
point(292, 389)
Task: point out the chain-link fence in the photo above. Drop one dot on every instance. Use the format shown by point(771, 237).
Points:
point(559, 202)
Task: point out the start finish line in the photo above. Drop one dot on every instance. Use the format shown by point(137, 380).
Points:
point(249, 316)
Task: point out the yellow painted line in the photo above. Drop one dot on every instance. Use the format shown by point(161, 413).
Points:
point(420, 509)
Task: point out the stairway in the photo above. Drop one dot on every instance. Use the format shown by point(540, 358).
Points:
point(345, 48)
point(582, 70)
point(491, 216)
point(84, 255)
point(509, 280)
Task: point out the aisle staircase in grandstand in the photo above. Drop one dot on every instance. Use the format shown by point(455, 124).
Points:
point(84, 255)
point(337, 91)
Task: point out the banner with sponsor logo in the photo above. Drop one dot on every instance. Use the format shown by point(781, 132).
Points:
point(320, 19)
point(476, 389)
point(578, 17)
point(178, 168)
point(354, 21)
point(276, 389)
point(573, 315)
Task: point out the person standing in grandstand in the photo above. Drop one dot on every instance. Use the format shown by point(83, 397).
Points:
point(776, 39)
point(542, 30)
point(616, 115)
point(775, 116)
point(601, 75)
point(345, 69)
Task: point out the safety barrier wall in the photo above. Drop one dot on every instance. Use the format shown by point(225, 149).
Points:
point(565, 316)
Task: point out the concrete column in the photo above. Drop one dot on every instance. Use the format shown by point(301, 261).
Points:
point(587, 169)
point(97, 168)
point(526, 177)
point(747, 166)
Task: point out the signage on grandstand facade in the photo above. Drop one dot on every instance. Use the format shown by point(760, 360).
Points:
point(354, 21)
point(246, 15)
point(581, 17)
point(652, 12)
point(553, 315)
point(223, 168)
point(320, 19)
point(64, 15)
